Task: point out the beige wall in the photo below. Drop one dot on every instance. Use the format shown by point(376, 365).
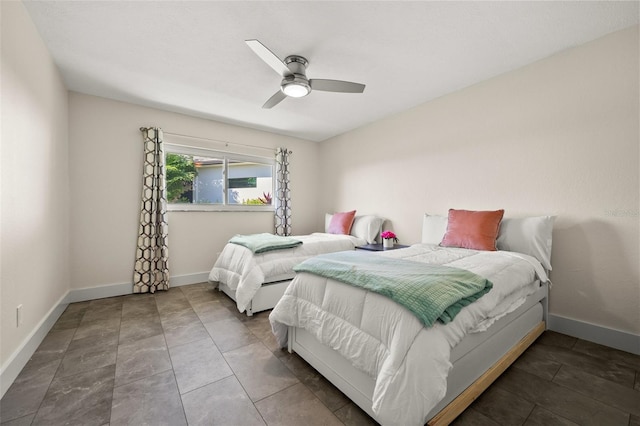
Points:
point(557, 137)
point(105, 163)
point(35, 185)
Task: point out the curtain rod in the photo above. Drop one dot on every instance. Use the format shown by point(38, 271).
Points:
point(226, 143)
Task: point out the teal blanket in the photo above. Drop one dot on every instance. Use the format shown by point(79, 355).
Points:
point(260, 243)
point(431, 292)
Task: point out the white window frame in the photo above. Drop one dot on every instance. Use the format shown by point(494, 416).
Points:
point(225, 156)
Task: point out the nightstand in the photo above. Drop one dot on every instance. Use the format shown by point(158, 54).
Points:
point(378, 247)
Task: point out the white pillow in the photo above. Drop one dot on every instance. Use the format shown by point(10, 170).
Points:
point(433, 229)
point(366, 227)
point(528, 235)
point(327, 221)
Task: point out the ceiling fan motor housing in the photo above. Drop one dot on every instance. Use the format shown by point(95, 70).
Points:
point(296, 85)
point(297, 64)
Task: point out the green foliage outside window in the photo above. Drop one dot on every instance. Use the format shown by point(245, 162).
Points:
point(260, 201)
point(180, 175)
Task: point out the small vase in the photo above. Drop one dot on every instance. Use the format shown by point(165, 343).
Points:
point(387, 243)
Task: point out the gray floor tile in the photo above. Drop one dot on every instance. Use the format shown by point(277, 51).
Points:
point(352, 415)
point(165, 295)
point(536, 362)
point(197, 364)
point(613, 394)
point(294, 406)
point(222, 403)
point(321, 387)
point(153, 400)
point(173, 319)
point(599, 351)
point(471, 417)
point(141, 359)
point(80, 399)
point(139, 308)
point(259, 371)
point(26, 393)
point(136, 328)
point(89, 353)
point(260, 327)
point(561, 356)
point(173, 307)
point(503, 407)
point(104, 340)
point(162, 348)
point(102, 327)
point(183, 327)
point(172, 302)
point(541, 417)
point(71, 316)
point(200, 293)
point(107, 301)
point(560, 400)
point(552, 338)
point(22, 421)
point(53, 346)
point(230, 334)
point(212, 311)
point(102, 311)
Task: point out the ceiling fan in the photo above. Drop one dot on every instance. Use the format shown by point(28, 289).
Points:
point(294, 80)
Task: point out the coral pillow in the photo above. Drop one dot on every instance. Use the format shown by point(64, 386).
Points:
point(476, 230)
point(341, 223)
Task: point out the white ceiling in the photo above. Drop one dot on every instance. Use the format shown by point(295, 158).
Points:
point(190, 57)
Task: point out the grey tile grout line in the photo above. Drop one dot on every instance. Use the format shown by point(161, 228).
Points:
point(243, 387)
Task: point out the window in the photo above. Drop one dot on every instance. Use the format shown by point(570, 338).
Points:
point(202, 179)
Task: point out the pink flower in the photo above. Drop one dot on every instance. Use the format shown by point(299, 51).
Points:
point(387, 235)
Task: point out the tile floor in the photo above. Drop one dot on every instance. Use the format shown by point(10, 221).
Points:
point(187, 356)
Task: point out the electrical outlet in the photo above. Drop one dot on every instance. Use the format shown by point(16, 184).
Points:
point(19, 316)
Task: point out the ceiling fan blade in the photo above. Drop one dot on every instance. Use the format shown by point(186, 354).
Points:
point(274, 100)
point(269, 57)
point(336, 86)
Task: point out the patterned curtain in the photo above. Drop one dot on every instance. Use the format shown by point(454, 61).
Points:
point(151, 271)
point(283, 195)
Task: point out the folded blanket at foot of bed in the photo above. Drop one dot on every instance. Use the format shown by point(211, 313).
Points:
point(260, 243)
point(430, 292)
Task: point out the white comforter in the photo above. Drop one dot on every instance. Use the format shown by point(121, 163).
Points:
point(243, 271)
point(409, 362)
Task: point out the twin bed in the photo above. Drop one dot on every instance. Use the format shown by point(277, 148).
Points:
point(256, 281)
point(385, 359)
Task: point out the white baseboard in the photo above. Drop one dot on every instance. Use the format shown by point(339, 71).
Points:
point(19, 358)
point(121, 289)
point(180, 280)
point(596, 333)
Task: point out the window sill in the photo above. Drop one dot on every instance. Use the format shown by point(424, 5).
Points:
point(218, 208)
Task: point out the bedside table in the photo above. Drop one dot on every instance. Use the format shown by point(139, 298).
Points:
point(378, 247)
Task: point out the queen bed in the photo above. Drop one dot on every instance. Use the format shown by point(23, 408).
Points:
point(390, 363)
point(256, 281)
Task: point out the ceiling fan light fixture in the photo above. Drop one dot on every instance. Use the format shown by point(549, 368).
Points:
point(296, 88)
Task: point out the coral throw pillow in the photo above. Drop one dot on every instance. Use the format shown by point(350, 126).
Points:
point(476, 230)
point(341, 223)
